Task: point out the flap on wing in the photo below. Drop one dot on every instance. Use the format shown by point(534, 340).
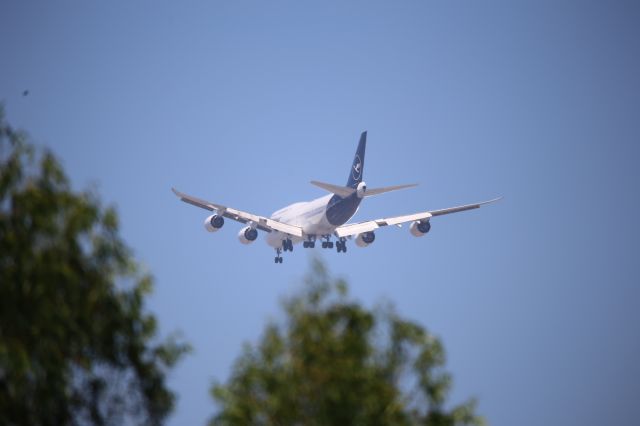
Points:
point(358, 228)
point(397, 220)
point(296, 231)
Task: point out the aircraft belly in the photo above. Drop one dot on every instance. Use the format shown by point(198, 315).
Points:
point(274, 239)
point(310, 216)
point(319, 226)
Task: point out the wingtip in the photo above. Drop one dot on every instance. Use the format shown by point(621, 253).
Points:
point(408, 185)
point(494, 200)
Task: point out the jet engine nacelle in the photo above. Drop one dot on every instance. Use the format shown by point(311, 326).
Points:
point(361, 189)
point(247, 235)
point(213, 223)
point(364, 239)
point(419, 228)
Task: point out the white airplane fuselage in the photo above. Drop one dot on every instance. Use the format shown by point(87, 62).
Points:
point(312, 217)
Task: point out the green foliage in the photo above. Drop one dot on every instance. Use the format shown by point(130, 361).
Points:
point(76, 346)
point(334, 362)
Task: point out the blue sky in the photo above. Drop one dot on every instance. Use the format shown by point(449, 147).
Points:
point(536, 298)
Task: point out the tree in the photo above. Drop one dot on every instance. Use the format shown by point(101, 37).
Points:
point(333, 362)
point(76, 345)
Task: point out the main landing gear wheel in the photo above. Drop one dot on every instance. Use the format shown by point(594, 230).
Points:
point(327, 243)
point(341, 246)
point(287, 245)
point(310, 243)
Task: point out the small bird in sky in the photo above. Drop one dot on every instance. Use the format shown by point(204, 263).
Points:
point(25, 93)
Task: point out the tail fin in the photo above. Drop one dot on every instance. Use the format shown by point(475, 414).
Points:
point(355, 174)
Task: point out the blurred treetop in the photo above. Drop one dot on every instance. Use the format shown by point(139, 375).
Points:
point(334, 362)
point(76, 345)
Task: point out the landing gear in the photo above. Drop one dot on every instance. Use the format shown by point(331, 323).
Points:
point(287, 245)
point(341, 246)
point(327, 243)
point(310, 243)
point(278, 258)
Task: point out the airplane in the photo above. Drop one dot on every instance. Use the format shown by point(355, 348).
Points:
point(323, 217)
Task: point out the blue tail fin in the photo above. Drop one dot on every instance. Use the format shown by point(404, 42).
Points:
point(357, 168)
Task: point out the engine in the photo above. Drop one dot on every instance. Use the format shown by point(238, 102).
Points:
point(247, 235)
point(419, 228)
point(361, 189)
point(213, 223)
point(364, 239)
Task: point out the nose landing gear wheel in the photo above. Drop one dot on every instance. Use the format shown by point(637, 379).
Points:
point(278, 258)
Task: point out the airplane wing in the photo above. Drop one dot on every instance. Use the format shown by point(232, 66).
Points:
point(261, 222)
point(358, 228)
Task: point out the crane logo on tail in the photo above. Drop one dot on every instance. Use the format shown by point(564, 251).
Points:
point(357, 168)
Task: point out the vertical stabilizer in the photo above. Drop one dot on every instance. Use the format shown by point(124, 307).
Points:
point(357, 168)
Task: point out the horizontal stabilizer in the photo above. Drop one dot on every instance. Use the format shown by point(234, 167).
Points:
point(342, 191)
point(377, 191)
